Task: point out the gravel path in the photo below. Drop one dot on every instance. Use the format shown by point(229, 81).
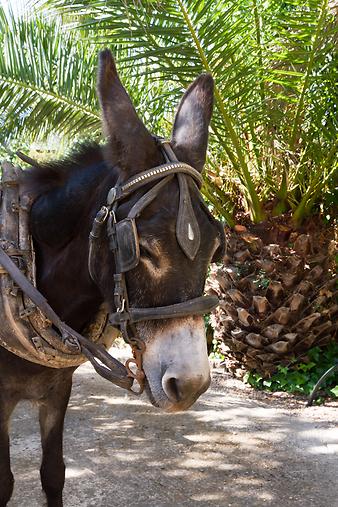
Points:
point(235, 447)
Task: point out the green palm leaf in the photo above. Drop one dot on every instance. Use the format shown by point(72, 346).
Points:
point(275, 69)
point(38, 92)
point(176, 40)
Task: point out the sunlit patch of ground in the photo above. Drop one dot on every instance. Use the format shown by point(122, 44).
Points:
point(233, 448)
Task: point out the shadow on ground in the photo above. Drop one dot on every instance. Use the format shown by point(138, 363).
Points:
point(229, 450)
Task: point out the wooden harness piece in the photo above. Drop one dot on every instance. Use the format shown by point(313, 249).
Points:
point(25, 330)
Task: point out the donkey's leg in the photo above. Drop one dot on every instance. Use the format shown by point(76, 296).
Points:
point(6, 476)
point(51, 415)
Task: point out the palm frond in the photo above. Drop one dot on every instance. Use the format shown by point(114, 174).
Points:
point(177, 40)
point(275, 69)
point(38, 92)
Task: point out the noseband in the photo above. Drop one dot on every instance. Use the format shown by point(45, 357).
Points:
point(124, 244)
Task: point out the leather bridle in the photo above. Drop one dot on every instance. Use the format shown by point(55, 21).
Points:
point(124, 244)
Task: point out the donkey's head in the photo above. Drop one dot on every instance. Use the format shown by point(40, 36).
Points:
point(175, 360)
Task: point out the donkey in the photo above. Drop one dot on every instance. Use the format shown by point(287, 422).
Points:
point(67, 196)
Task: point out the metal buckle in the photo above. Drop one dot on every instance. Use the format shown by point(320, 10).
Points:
point(27, 311)
point(102, 215)
point(37, 342)
point(71, 342)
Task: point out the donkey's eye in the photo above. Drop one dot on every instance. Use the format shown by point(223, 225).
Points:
point(150, 250)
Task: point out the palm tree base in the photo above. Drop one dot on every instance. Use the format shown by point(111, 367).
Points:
point(278, 292)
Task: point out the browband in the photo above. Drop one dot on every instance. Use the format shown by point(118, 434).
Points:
point(122, 191)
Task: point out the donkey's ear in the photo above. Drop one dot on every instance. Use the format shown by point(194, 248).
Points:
point(190, 130)
point(130, 144)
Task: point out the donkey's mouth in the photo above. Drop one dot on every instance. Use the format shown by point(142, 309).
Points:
point(159, 399)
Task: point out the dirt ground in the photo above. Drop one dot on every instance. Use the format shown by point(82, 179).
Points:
point(235, 447)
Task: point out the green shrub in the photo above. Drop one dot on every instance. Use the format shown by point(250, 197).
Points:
point(301, 377)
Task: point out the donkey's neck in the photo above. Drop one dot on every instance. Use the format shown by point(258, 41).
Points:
point(61, 220)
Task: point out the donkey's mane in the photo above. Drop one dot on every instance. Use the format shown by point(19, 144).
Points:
point(56, 173)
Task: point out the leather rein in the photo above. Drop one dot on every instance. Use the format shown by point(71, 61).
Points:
point(124, 244)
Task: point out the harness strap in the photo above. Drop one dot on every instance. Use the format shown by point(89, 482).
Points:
point(94, 235)
point(147, 198)
point(111, 369)
point(186, 224)
point(197, 306)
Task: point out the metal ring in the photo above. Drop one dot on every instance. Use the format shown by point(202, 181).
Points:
point(121, 309)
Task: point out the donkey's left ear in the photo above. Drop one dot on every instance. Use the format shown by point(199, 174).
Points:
point(190, 130)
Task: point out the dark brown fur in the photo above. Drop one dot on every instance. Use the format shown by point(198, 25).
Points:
point(67, 194)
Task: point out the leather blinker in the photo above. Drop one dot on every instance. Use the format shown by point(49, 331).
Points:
point(128, 244)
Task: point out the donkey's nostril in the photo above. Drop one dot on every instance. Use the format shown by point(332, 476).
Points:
point(170, 386)
point(184, 388)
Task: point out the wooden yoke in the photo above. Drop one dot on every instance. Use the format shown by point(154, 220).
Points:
point(25, 331)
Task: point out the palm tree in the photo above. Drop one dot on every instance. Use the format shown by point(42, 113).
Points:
point(275, 69)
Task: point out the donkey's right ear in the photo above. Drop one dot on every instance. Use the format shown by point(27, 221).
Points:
point(130, 141)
